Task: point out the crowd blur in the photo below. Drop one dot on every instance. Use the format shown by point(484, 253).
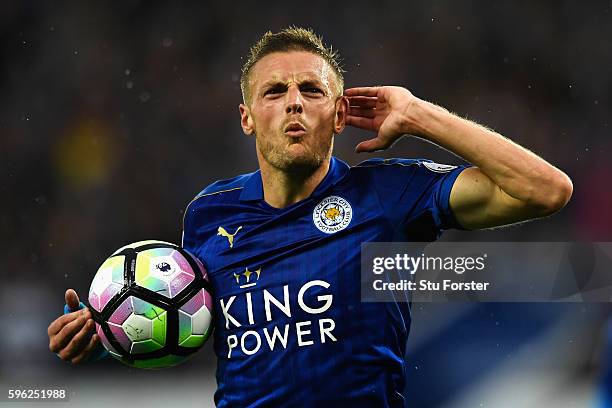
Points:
point(114, 115)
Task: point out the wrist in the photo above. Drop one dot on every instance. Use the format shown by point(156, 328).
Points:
point(422, 118)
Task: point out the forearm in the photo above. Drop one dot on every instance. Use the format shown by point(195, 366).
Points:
point(517, 171)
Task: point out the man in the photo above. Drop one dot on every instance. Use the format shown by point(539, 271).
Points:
point(281, 245)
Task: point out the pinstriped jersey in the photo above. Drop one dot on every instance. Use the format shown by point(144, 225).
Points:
point(290, 329)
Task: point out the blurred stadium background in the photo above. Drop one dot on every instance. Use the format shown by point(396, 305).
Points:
point(113, 116)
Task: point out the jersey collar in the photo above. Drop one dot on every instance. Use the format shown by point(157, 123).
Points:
point(253, 188)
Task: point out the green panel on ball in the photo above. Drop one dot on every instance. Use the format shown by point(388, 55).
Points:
point(159, 328)
point(195, 340)
point(184, 326)
point(161, 362)
point(155, 313)
point(146, 346)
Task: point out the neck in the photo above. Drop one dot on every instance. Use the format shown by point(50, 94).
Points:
point(282, 188)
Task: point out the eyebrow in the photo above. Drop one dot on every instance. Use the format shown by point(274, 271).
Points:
point(306, 82)
point(277, 82)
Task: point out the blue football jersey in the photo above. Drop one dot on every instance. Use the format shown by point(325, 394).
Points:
point(290, 329)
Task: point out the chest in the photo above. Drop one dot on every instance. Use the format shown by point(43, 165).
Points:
point(245, 245)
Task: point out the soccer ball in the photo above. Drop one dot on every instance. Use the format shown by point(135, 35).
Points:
point(151, 304)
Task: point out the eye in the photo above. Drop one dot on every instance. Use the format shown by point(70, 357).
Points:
point(274, 90)
point(313, 90)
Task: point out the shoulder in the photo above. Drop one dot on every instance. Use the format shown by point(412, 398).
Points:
point(398, 173)
point(224, 186)
point(397, 164)
point(221, 191)
point(379, 163)
point(389, 167)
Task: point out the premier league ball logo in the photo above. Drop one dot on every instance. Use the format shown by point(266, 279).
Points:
point(333, 214)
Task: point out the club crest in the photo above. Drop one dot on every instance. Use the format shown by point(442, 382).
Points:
point(333, 214)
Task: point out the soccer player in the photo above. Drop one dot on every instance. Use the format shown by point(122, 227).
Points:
point(282, 244)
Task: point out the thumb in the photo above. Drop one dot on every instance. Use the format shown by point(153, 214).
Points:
point(371, 145)
point(72, 299)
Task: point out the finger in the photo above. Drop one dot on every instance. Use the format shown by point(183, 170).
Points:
point(72, 299)
point(62, 321)
point(93, 343)
point(68, 333)
point(362, 112)
point(363, 101)
point(58, 341)
point(371, 145)
point(361, 123)
point(362, 91)
point(78, 342)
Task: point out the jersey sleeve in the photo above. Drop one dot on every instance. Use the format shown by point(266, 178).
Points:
point(189, 239)
point(415, 193)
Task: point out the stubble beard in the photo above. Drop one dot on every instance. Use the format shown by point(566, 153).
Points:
point(303, 164)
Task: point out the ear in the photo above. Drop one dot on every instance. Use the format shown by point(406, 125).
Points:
point(342, 105)
point(246, 120)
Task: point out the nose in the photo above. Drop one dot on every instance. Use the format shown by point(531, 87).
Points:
point(294, 100)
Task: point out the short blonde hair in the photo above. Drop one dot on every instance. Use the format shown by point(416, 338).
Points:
point(289, 39)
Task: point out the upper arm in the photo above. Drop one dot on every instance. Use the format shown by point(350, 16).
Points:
point(414, 195)
point(477, 202)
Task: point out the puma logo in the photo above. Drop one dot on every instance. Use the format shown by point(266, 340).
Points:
point(230, 237)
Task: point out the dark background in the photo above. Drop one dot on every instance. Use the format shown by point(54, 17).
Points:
point(113, 116)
